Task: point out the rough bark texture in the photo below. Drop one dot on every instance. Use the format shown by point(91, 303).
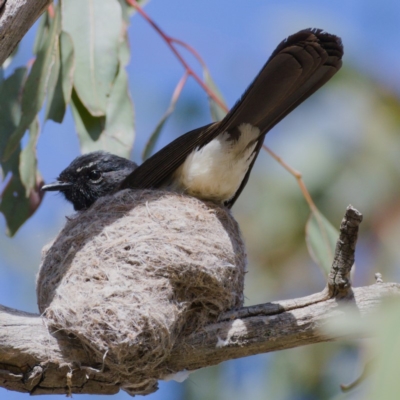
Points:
point(35, 361)
point(16, 17)
point(339, 278)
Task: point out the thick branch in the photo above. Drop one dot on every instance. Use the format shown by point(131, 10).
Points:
point(16, 17)
point(33, 360)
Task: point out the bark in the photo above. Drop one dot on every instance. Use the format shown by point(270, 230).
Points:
point(35, 361)
point(16, 17)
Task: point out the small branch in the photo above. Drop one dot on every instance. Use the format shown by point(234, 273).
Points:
point(16, 17)
point(378, 277)
point(339, 277)
point(298, 176)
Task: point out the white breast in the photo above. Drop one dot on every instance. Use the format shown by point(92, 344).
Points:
point(216, 171)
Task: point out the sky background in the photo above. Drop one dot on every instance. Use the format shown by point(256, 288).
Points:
point(235, 39)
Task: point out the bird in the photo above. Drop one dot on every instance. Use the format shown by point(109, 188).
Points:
point(91, 176)
point(214, 162)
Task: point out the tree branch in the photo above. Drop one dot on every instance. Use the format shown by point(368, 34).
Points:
point(16, 17)
point(35, 361)
point(39, 362)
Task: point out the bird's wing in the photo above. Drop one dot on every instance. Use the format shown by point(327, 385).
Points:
point(298, 67)
point(162, 164)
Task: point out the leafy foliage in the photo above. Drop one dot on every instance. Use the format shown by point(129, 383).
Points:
point(70, 68)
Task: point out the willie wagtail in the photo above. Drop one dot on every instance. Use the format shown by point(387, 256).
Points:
point(214, 162)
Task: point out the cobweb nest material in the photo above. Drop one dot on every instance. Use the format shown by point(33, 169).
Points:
point(136, 271)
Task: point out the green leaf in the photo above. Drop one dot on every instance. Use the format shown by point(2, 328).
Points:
point(119, 133)
point(35, 87)
point(67, 65)
point(217, 112)
point(27, 159)
point(55, 105)
point(41, 32)
point(321, 238)
point(87, 126)
point(61, 79)
point(16, 204)
point(95, 28)
point(10, 114)
point(116, 132)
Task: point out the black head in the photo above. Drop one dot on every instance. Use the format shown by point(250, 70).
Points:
point(91, 176)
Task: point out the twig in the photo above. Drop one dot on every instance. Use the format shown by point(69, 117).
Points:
point(298, 175)
point(339, 278)
point(170, 42)
point(51, 11)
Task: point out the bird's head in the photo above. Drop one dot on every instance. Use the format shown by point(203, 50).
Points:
point(91, 176)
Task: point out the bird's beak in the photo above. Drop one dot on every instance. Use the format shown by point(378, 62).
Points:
point(60, 186)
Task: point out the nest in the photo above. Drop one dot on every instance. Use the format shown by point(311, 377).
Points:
point(138, 270)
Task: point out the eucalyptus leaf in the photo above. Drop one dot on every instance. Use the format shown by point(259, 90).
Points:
point(16, 205)
point(10, 114)
point(41, 32)
point(27, 159)
point(217, 112)
point(55, 104)
point(116, 132)
point(95, 28)
point(88, 127)
point(61, 79)
point(35, 87)
point(321, 238)
point(119, 133)
point(67, 65)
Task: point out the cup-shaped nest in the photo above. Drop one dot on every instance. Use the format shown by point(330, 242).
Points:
point(137, 270)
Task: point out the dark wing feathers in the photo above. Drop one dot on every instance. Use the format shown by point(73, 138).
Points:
point(162, 164)
point(298, 67)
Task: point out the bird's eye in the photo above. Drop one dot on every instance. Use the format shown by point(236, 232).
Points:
point(95, 176)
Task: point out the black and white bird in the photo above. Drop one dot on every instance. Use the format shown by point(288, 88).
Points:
point(214, 162)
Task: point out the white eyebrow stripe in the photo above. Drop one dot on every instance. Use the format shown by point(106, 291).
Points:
point(86, 166)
